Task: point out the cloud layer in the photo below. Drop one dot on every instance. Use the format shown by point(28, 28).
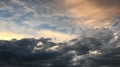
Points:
point(94, 12)
point(101, 49)
point(95, 21)
point(63, 16)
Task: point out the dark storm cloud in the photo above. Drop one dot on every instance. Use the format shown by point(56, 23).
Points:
point(21, 51)
point(81, 52)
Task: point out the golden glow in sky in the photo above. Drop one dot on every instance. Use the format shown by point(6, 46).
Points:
point(10, 35)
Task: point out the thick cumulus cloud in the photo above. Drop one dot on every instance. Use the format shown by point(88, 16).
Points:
point(101, 49)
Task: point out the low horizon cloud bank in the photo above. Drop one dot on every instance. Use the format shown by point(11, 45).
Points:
point(101, 49)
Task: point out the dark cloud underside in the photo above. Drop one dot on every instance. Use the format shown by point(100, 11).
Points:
point(93, 51)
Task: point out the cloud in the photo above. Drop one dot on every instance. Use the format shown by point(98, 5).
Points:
point(30, 19)
point(27, 29)
point(36, 18)
point(55, 35)
point(94, 11)
point(90, 11)
point(107, 3)
point(84, 52)
point(66, 16)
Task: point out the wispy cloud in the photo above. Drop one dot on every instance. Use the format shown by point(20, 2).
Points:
point(29, 17)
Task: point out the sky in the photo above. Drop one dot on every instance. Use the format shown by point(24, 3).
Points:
point(59, 33)
point(58, 19)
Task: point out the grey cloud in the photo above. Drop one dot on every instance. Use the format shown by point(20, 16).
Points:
point(93, 51)
point(83, 52)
